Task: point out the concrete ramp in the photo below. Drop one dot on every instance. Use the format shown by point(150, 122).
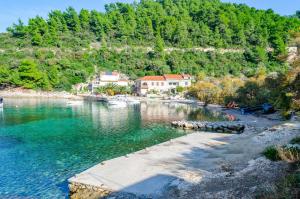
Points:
point(149, 172)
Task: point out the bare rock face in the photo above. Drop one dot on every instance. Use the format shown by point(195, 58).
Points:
point(81, 191)
point(220, 127)
point(292, 54)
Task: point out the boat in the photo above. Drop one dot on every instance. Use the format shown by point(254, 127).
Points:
point(74, 103)
point(1, 102)
point(115, 103)
point(132, 101)
point(265, 108)
point(128, 100)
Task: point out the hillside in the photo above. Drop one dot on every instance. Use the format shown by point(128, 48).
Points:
point(146, 38)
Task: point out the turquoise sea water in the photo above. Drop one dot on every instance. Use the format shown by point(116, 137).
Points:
point(45, 142)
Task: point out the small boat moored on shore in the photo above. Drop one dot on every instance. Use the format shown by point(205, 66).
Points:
point(114, 103)
point(132, 101)
point(75, 103)
point(122, 101)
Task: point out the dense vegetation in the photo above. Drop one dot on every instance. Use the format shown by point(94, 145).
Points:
point(68, 47)
point(112, 89)
point(280, 89)
point(183, 23)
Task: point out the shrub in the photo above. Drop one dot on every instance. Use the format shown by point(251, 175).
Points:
point(179, 89)
point(113, 89)
point(271, 153)
point(206, 92)
point(289, 153)
point(252, 94)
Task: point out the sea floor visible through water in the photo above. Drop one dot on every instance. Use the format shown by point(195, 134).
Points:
point(43, 142)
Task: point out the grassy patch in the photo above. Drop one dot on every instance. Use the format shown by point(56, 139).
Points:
point(289, 153)
point(271, 153)
point(288, 187)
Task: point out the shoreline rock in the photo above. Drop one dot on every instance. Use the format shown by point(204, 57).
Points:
point(219, 127)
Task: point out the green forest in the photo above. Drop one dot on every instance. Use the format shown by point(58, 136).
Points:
point(68, 47)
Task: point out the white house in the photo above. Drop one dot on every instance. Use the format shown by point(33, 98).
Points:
point(106, 78)
point(162, 84)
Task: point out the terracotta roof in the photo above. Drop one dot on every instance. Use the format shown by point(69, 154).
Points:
point(173, 76)
point(152, 78)
point(165, 77)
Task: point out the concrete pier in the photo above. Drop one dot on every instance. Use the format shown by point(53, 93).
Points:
point(149, 172)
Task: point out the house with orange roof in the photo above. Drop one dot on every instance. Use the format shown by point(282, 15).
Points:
point(162, 84)
point(108, 77)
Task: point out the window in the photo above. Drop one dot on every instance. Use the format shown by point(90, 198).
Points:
point(152, 83)
point(186, 83)
point(162, 84)
point(157, 83)
point(170, 84)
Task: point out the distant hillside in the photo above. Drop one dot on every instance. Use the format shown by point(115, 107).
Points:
point(57, 52)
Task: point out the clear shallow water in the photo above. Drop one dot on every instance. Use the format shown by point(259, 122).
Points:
point(44, 142)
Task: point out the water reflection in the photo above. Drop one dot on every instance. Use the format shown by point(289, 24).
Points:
point(163, 112)
point(21, 111)
point(205, 114)
point(47, 142)
point(166, 112)
point(1, 114)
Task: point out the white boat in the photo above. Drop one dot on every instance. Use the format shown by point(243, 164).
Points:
point(117, 103)
point(133, 101)
point(75, 103)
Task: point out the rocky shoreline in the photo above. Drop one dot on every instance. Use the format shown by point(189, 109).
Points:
point(220, 127)
point(22, 93)
point(78, 190)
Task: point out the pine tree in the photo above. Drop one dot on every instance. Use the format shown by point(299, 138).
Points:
point(159, 44)
point(84, 17)
point(72, 19)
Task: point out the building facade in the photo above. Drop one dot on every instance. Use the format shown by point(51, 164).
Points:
point(162, 84)
point(105, 78)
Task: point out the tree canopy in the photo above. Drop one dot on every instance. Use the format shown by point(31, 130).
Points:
point(66, 47)
point(182, 23)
